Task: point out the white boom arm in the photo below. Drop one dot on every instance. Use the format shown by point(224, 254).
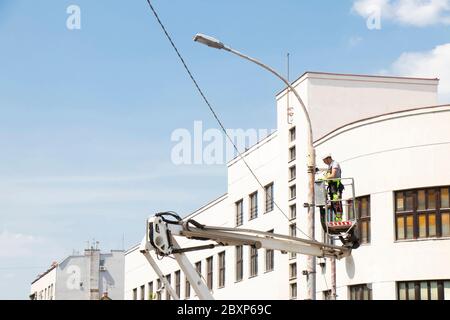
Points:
point(160, 238)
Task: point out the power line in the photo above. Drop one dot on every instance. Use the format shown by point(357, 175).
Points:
point(212, 110)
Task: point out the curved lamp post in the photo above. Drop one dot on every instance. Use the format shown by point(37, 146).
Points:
point(311, 158)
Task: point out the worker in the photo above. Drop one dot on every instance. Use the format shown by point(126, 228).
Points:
point(335, 187)
point(105, 296)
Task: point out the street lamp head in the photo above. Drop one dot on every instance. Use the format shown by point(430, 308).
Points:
point(209, 41)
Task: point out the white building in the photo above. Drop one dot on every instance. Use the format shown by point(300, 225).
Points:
point(82, 277)
point(392, 137)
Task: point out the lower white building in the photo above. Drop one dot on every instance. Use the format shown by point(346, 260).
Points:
point(392, 137)
point(82, 277)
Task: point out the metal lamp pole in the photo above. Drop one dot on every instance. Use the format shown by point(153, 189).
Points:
point(311, 158)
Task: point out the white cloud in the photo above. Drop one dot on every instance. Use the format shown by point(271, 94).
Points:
point(354, 41)
point(409, 12)
point(13, 245)
point(434, 63)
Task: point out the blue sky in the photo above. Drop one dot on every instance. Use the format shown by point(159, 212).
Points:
point(86, 115)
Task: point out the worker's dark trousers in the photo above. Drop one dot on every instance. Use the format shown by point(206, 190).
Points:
point(333, 190)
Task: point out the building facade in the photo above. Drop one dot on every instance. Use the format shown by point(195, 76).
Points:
point(82, 277)
point(392, 137)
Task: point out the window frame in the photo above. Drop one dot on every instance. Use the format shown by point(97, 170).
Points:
point(292, 169)
point(239, 210)
point(359, 290)
point(293, 208)
point(269, 202)
point(417, 289)
point(150, 290)
point(362, 220)
point(253, 206)
point(210, 273)
point(292, 153)
point(239, 267)
point(178, 283)
point(253, 270)
point(269, 261)
point(292, 134)
point(417, 213)
point(221, 269)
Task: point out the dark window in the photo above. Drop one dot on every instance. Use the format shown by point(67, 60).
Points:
point(292, 192)
point(360, 292)
point(422, 213)
point(239, 213)
point(209, 272)
point(253, 206)
point(239, 263)
point(292, 233)
point(253, 262)
point(362, 215)
point(151, 295)
point(292, 154)
point(424, 290)
point(178, 283)
point(198, 267)
point(158, 290)
point(270, 258)
point(134, 294)
point(169, 280)
point(293, 290)
point(327, 295)
point(187, 289)
point(293, 212)
point(142, 292)
point(292, 173)
point(269, 197)
point(293, 271)
point(222, 269)
point(292, 134)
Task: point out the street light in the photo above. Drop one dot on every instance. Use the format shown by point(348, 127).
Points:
point(311, 154)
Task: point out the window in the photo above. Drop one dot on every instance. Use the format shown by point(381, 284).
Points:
point(178, 283)
point(239, 263)
point(169, 280)
point(239, 213)
point(293, 290)
point(253, 206)
point(422, 213)
point(293, 271)
point(292, 173)
point(292, 154)
point(134, 294)
point(292, 134)
point(222, 269)
point(209, 272)
point(360, 292)
point(293, 212)
point(424, 290)
point(292, 233)
point(270, 258)
point(187, 289)
point(362, 215)
point(151, 295)
point(198, 267)
point(51, 291)
point(327, 295)
point(143, 292)
point(253, 262)
point(269, 197)
point(159, 289)
point(292, 192)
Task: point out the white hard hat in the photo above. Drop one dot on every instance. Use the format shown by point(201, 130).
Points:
point(326, 155)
